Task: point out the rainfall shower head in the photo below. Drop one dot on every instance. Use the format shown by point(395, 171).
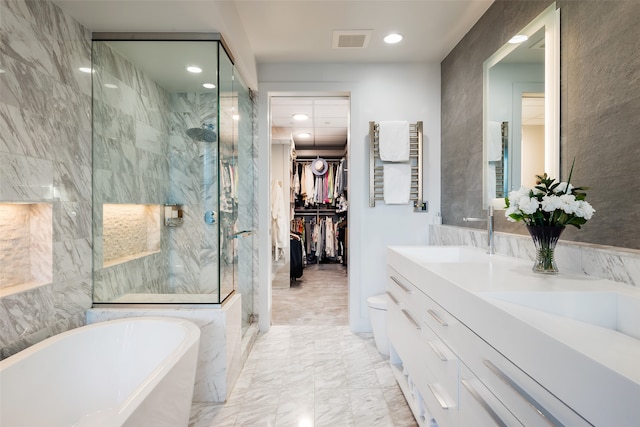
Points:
point(204, 133)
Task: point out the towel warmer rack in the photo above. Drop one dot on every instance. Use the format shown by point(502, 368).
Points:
point(376, 174)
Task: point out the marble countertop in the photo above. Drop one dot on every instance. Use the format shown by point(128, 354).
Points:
point(532, 320)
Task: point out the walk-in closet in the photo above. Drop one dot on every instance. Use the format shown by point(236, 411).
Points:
point(309, 209)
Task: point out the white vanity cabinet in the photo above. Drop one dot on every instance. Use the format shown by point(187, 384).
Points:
point(450, 374)
point(525, 398)
point(425, 367)
point(407, 350)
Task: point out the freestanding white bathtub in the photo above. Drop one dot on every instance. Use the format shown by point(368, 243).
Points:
point(130, 372)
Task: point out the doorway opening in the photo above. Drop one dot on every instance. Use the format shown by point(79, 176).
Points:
point(532, 137)
point(309, 208)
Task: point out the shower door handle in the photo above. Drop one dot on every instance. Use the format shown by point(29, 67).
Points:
point(210, 217)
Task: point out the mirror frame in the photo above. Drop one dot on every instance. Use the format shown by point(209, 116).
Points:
point(549, 19)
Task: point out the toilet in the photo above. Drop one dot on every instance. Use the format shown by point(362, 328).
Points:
point(378, 314)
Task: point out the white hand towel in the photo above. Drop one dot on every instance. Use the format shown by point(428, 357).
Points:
point(494, 141)
point(397, 183)
point(393, 141)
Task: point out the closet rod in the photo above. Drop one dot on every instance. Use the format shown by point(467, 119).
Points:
point(317, 213)
point(329, 159)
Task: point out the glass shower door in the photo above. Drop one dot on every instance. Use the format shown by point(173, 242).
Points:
point(164, 182)
point(228, 177)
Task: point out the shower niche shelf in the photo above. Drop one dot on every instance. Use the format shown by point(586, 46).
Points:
point(129, 231)
point(26, 241)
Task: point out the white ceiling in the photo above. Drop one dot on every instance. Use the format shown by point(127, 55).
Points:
point(268, 31)
point(297, 30)
point(327, 124)
point(301, 31)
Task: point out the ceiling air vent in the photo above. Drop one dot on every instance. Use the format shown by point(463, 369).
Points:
point(351, 39)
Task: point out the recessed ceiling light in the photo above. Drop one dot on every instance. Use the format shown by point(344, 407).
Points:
point(393, 38)
point(208, 85)
point(304, 135)
point(86, 69)
point(236, 117)
point(300, 117)
point(110, 86)
point(194, 69)
point(518, 38)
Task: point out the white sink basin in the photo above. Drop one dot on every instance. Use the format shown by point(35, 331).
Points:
point(444, 254)
point(609, 310)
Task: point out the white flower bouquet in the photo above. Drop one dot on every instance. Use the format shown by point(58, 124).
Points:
point(546, 210)
point(549, 203)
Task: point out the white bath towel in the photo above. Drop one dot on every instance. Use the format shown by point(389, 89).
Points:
point(491, 181)
point(494, 141)
point(393, 141)
point(397, 183)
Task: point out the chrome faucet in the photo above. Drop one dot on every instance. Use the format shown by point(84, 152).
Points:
point(489, 219)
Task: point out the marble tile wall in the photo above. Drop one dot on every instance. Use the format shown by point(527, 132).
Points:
point(248, 205)
point(600, 112)
point(131, 166)
point(617, 264)
point(194, 184)
point(45, 157)
point(254, 206)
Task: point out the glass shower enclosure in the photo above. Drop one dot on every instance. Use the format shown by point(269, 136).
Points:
point(172, 171)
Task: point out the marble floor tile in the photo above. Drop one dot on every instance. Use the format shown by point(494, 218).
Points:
point(310, 370)
point(319, 297)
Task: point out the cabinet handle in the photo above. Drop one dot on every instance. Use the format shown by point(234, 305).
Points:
point(437, 318)
point(436, 393)
point(539, 409)
point(393, 299)
point(437, 351)
point(478, 398)
point(402, 286)
point(411, 319)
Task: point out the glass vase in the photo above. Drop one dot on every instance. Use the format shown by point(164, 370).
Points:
point(545, 239)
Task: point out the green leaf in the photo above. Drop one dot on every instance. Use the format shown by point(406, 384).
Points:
point(571, 171)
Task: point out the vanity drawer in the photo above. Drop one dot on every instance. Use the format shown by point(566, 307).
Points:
point(531, 403)
point(404, 335)
point(442, 407)
point(405, 293)
point(477, 406)
point(441, 361)
point(440, 321)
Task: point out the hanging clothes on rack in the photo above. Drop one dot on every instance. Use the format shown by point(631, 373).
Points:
point(309, 183)
point(330, 238)
point(311, 189)
point(296, 265)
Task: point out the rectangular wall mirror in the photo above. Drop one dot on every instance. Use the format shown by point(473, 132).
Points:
point(521, 110)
